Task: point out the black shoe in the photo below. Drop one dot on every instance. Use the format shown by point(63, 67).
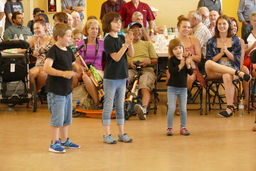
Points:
point(246, 77)
point(225, 113)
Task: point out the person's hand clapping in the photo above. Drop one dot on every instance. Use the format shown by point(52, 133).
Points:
point(129, 38)
point(182, 63)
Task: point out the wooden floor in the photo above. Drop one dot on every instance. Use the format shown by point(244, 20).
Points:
point(215, 144)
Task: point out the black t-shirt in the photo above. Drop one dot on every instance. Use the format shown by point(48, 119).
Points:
point(178, 78)
point(113, 69)
point(62, 60)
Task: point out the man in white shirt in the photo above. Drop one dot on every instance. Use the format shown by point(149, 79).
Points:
point(200, 31)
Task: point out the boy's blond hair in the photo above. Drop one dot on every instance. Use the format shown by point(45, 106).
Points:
point(60, 30)
point(172, 44)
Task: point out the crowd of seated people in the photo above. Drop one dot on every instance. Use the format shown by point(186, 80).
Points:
point(206, 35)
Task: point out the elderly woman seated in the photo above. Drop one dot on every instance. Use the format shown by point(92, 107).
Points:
point(223, 60)
point(91, 52)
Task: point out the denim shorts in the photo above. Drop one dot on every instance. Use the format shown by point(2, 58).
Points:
point(61, 109)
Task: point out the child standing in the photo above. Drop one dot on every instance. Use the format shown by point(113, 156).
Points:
point(115, 74)
point(179, 66)
point(58, 66)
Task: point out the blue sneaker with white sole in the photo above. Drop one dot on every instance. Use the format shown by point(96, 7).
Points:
point(69, 144)
point(56, 147)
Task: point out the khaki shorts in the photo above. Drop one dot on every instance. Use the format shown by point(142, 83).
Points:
point(146, 80)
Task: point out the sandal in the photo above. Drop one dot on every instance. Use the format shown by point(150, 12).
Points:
point(225, 113)
point(246, 77)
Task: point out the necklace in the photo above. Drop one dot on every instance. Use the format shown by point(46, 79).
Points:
point(223, 41)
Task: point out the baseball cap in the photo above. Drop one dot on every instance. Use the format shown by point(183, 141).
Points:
point(46, 19)
point(153, 9)
point(133, 24)
point(36, 10)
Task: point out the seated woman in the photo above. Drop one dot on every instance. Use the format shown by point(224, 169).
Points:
point(40, 44)
point(223, 52)
point(192, 48)
point(242, 66)
point(92, 52)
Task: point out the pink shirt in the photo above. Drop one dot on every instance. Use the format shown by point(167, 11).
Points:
point(128, 9)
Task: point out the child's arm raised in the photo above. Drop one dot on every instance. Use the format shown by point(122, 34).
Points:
point(48, 69)
point(127, 45)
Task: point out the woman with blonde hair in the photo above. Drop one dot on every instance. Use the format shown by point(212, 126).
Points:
point(91, 52)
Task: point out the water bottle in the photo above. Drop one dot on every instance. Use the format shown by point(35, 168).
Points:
point(15, 37)
point(165, 32)
point(21, 37)
point(169, 31)
point(241, 108)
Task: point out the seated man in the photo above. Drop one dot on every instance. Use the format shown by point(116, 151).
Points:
point(138, 17)
point(17, 27)
point(144, 52)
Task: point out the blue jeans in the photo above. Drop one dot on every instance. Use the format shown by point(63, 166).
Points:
point(61, 109)
point(172, 93)
point(114, 94)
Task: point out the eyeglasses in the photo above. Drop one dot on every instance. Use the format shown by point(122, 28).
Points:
point(134, 30)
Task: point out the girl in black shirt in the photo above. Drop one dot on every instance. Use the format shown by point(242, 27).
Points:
point(179, 66)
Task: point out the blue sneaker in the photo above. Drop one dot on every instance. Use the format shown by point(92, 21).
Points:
point(109, 139)
point(69, 144)
point(56, 147)
point(124, 138)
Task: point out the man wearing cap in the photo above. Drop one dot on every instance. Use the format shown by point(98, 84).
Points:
point(17, 27)
point(129, 8)
point(111, 6)
point(68, 6)
point(144, 52)
point(30, 24)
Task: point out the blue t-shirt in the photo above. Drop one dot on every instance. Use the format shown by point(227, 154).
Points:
point(11, 7)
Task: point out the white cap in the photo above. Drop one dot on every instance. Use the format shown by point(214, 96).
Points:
point(153, 9)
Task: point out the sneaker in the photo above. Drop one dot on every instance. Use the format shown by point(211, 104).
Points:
point(69, 144)
point(109, 139)
point(97, 107)
point(141, 111)
point(124, 138)
point(56, 147)
point(184, 131)
point(169, 131)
